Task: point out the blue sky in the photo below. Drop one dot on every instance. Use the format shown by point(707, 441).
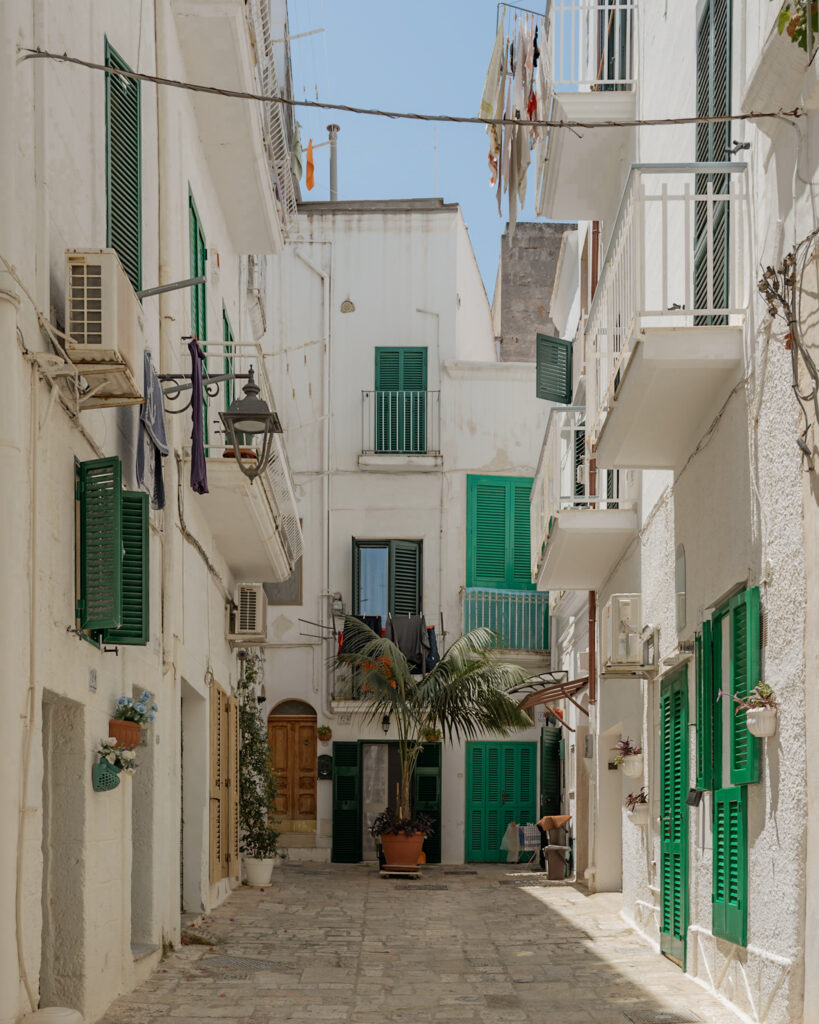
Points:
point(428, 56)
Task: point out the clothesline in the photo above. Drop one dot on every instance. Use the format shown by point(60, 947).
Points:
point(37, 53)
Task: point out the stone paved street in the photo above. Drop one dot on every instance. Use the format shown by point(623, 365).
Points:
point(483, 944)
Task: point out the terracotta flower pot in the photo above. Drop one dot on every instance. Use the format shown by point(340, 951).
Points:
point(127, 734)
point(402, 852)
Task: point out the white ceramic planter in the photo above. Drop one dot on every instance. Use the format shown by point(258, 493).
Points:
point(639, 815)
point(633, 765)
point(761, 721)
point(258, 872)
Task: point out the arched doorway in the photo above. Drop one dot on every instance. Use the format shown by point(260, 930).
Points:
point(291, 731)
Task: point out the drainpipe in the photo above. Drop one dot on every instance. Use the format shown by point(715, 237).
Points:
point(333, 130)
point(595, 256)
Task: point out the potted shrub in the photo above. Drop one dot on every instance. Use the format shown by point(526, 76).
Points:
point(630, 758)
point(129, 717)
point(111, 760)
point(324, 733)
point(637, 806)
point(257, 783)
point(431, 736)
point(462, 697)
point(760, 709)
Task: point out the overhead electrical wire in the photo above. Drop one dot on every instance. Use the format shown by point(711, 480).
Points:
point(29, 53)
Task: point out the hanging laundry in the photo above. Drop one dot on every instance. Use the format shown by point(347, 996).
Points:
point(152, 444)
point(310, 178)
point(409, 634)
point(295, 152)
point(433, 657)
point(535, 49)
point(493, 75)
point(199, 469)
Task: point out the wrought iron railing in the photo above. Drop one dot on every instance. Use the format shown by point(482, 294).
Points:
point(520, 617)
point(400, 422)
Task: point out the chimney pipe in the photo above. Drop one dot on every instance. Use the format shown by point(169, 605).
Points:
point(333, 130)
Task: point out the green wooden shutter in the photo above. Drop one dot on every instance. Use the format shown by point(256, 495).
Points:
point(519, 550)
point(486, 529)
point(405, 582)
point(356, 600)
point(730, 877)
point(674, 814)
point(199, 297)
point(135, 626)
point(550, 770)
point(123, 167)
point(100, 598)
point(705, 708)
point(475, 809)
point(228, 338)
point(400, 400)
point(744, 748)
point(346, 803)
point(427, 796)
point(553, 374)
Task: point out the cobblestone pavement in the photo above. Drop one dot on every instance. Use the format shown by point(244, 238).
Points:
point(339, 943)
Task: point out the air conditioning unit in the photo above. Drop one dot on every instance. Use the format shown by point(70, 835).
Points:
point(250, 617)
point(104, 324)
point(622, 632)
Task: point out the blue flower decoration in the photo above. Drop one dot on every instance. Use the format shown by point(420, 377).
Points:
point(146, 695)
point(122, 701)
point(151, 718)
point(141, 708)
point(154, 707)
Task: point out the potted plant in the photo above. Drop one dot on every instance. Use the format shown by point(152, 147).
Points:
point(111, 760)
point(324, 733)
point(759, 707)
point(630, 758)
point(637, 806)
point(462, 697)
point(431, 736)
point(257, 782)
point(129, 717)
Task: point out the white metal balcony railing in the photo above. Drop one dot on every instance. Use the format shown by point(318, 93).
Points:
point(590, 45)
point(563, 481)
point(400, 422)
point(674, 259)
point(519, 617)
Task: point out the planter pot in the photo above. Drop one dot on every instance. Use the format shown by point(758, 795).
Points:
point(633, 765)
point(127, 734)
point(761, 721)
point(104, 776)
point(402, 852)
point(639, 815)
point(258, 872)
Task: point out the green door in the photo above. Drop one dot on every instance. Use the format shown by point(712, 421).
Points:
point(426, 796)
point(401, 400)
point(674, 816)
point(500, 788)
point(550, 770)
point(346, 803)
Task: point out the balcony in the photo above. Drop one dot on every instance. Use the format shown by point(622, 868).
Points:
point(664, 335)
point(256, 525)
point(578, 536)
point(400, 431)
point(520, 617)
point(591, 65)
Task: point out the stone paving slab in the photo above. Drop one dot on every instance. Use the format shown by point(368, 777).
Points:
point(344, 945)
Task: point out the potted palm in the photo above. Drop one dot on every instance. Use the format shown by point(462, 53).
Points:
point(463, 696)
point(630, 758)
point(257, 783)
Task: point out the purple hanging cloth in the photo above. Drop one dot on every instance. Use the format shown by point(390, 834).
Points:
point(199, 470)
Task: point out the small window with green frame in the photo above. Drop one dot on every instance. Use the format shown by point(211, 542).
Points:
point(387, 577)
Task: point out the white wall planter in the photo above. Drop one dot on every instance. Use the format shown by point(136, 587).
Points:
point(258, 872)
point(633, 765)
point(761, 721)
point(639, 814)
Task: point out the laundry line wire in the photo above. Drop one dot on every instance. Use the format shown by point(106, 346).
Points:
point(30, 53)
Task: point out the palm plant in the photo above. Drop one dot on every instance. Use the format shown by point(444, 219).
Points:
point(465, 695)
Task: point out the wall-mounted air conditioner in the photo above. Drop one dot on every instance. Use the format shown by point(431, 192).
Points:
point(104, 323)
point(249, 620)
point(622, 633)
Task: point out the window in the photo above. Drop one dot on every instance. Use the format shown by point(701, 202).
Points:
point(123, 167)
point(401, 400)
point(199, 297)
point(553, 373)
point(112, 555)
point(498, 554)
point(387, 577)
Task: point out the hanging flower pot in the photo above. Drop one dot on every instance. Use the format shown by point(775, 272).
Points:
point(127, 734)
point(104, 776)
point(632, 765)
point(761, 721)
point(639, 814)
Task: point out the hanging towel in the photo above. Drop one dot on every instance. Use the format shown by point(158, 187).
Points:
point(152, 444)
point(433, 657)
point(490, 88)
point(199, 470)
point(409, 634)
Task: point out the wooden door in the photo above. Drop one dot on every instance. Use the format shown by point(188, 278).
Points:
point(293, 750)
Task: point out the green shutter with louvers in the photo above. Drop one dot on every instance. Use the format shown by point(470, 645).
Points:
point(346, 803)
point(550, 770)
point(401, 400)
point(553, 372)
point(199, 298)
point(744, 667)
point(729, 899)
point(123, 167)
point(705, 708)
point(498, 554)
point(100, 598)
point(519, 569)
point(427, 796)
point(674, 814)
point(135, 626)
point(405, 584)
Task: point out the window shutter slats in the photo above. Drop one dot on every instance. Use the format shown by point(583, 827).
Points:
point(217, 822)
point(134, 628)
point(705, 708)
point(346, 803)
point(744, 677)
point(521, 553)
point(553, 372)
point(730, 880)
point(232, 787)
point(405, 577)
point(100, 604)
point(487, 532)
point(387, 369)
point(401, 400)
point(123, 165)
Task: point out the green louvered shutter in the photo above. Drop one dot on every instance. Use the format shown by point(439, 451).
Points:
point(100, 489)
point(730, 872)
point(123, 167)
point(401, 400)
point(553, 372)
point(427, 796)
point(486, 531)
point(550, 770)
point(519, 572)
point(405, 577)
point(744, 662)
point(580, 461)
point(199, 296)
point(705, 708)
point(346, 803)
point(674, 814)
point(135, 627)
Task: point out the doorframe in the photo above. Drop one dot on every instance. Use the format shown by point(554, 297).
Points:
point(672, 948)
point(293, 823)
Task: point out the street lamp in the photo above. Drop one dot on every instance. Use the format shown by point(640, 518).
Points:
point(248, 417)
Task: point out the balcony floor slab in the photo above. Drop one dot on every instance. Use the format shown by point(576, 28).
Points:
point(583, 547)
